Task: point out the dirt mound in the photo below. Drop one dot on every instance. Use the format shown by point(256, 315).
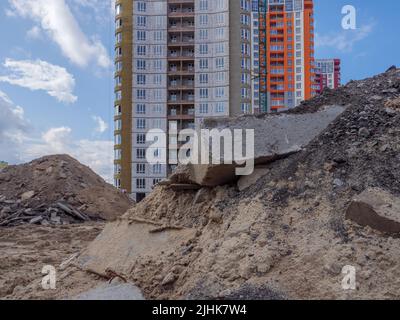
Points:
point(56, 190)
point(285, 235)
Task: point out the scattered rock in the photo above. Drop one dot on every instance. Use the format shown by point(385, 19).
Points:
point(364, 132)
point(27, 195)
point(377, 209)
point(169, 279)
point(338, 182)
point(36, 220)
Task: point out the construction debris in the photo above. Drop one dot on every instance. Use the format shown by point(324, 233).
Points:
point(56, 190)
point(279, 234)
point(287, 134)
point(262, 237)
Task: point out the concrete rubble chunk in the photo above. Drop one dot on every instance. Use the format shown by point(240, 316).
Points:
point(377, 209)
point(134, 241)
point(276, 137)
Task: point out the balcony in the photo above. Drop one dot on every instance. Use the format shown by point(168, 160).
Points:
point(178, 99)
point(184, 55)
point(181, 12)
point(181, 85)
point(181, 41)
point(180, 71)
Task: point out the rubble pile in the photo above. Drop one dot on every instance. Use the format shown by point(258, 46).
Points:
point(287, 230)
point(56, 190)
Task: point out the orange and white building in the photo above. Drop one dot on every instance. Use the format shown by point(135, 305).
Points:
point(286, 45)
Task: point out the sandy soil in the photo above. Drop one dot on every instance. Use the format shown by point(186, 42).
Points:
point(24, 250)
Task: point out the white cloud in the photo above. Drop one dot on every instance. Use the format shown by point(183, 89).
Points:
point(57, 20)
point(97, 154)
point(13, 127)
point(345, 40)
point(34, 33)
point(41, 75)
point(19, 142)
point(101, 125)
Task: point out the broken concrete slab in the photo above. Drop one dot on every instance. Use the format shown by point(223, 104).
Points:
point(112, 292)
point(275, 137)
point(278, 134)
point(377, 209)
point(123, 243)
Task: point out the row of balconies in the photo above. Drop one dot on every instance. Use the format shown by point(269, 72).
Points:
point(181, 84)
point(181, 98)
point(186, 26)
point(181, 70)
point(181, 11)
point(184, 54)
point(180, 112)
point(178, 40)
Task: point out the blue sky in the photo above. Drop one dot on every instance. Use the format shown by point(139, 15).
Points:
point(63, 103)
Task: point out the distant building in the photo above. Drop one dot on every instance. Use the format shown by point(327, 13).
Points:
point(286, 53)
point(3, 164)
point(177, 62)
point(327, 74)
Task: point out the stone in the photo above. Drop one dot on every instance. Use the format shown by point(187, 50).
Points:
point(201, 196)
point(36, 220)
point(364, 132)
point(376, 98)
point(216, 216)
point(338, 183)
point(62, 175)
point(6, 210)
point(27, 195)
point(169, 279)
point(377, 209)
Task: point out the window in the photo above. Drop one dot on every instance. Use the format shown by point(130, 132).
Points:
point(141, 123)
point(117, 110)
point(203, 108)
point(140, 168)
point(141, 138)
point(141, 153)
point(118, 9)
point(140, 108)
point(157, 168)
point(117, 139)
point(141, 183)
point(118, 23)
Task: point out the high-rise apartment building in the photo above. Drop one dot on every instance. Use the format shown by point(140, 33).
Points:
point(255, 56)
point(177, 61)
point(286, 37)
point(328, 74)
